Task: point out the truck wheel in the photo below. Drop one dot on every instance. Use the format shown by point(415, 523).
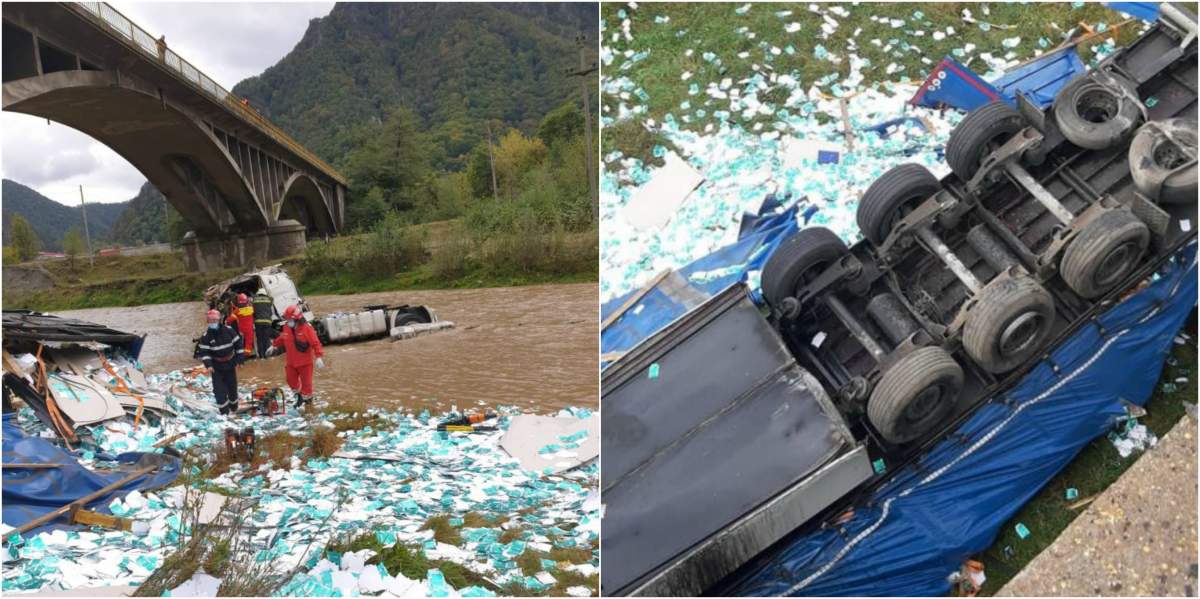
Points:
point(797, 260)
point(1104, 252)
point(1093, 115)
point(322, 332)
point(1010, 322)
point(893, 195)
point(915, 394)
point(1155, 160)
point(979, 134)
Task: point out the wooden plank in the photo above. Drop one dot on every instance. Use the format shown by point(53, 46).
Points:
point(11, 366)
point(171, 439)
point(847, 129)
point(90, 518)
point(634, 299)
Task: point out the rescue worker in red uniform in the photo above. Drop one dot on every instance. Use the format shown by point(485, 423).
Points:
point(299, 340)
point(243, 315)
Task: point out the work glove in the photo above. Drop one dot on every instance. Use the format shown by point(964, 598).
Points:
point(320, 363)
point(271, 351)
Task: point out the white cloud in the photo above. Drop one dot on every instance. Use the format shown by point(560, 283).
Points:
point(229, 42)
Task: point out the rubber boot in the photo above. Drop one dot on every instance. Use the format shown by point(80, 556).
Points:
point(299, 400)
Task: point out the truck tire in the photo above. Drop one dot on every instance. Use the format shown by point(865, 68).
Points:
point(1155, 161)
point(797, 260)
point(891, 196)
point(322, 332)
point(1104, 252)
point(915, 394)
point(1093, 115)
point(1010, 322)
point(979, 134)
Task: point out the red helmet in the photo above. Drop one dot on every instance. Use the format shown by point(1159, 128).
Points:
point(292, 313)
point(242, 300)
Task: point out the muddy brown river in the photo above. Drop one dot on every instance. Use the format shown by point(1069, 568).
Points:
point(535, 347)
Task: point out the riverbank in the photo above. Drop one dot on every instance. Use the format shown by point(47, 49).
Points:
point(120, 281)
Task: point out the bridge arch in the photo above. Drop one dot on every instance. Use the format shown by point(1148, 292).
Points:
point(197, 174)
point(305, 201)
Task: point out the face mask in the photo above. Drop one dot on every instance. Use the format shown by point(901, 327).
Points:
point(213, 325)
point(292, 323)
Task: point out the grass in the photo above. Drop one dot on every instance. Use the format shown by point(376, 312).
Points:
point(410, 560)
point(456, 263)
point(443, 531)
point(118, 281)
point(1091, 472)
point(715, 28)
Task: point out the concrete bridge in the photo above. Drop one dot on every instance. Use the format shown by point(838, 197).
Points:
point(249, 191)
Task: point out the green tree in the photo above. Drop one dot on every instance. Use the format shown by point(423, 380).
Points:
point(73, 244)
point(561, 125)
point(479, 171)
point(367, 211)
point(394, 158)
point(24, 240)
point(516, 155)
point(451, 197)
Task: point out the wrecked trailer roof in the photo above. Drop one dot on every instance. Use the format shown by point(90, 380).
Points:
point(25, 326)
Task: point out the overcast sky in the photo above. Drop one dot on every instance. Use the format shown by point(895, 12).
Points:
point(228, 42)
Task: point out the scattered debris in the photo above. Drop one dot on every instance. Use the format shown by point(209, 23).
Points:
point(1022, 530)
point(296, 482)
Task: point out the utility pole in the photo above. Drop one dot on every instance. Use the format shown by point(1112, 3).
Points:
point(582, 73)
point(492, 162)
point(86, 234)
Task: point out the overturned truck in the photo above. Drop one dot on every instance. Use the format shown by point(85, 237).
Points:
point(736, 425)
point(342, 327)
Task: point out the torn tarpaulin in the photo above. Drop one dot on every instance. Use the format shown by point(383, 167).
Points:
point(29, 494)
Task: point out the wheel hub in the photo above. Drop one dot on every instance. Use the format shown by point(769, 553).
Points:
point(1115, 264)
point(1097, 105)
point(1020, 334)
point(924, 403)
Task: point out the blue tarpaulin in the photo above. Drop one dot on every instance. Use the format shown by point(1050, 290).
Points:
point(954, 85)
point(923, 523)
point(1041, 79)
point(30, 493)
point(1146, 11)
point(691, 285)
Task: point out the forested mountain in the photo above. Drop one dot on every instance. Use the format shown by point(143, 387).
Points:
point(455, 65)
point(51, 220)
point(145, 220)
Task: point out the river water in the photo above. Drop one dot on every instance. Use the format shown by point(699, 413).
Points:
point(535, 347)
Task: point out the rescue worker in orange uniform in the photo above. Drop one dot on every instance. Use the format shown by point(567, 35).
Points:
point(299, 340)
point(243, 315)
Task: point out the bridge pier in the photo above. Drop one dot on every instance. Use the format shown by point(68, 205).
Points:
point(283, 239)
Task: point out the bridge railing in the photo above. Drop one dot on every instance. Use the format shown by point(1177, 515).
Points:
point(141, 39)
